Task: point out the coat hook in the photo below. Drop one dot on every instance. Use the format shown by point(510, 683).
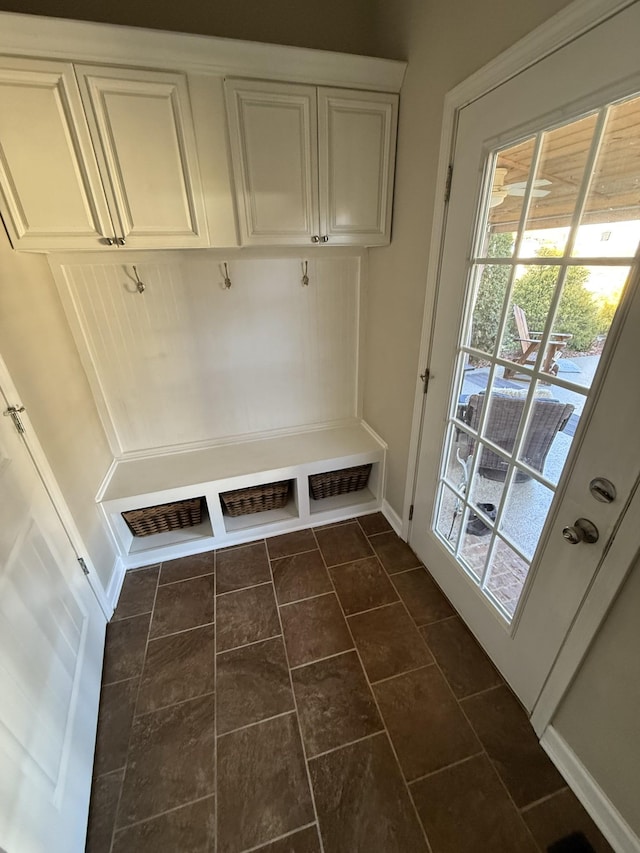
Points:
point(305, 271)
point(227, 280)
point(140, 287)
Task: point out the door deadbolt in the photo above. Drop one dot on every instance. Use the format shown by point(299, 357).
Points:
point(582, 531)
point(603, 490)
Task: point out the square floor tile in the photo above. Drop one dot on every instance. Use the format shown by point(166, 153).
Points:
point(560, 816)
point(394, 554)
point(505, 731)
point(291, 543)
point(362, 801)
point(171, 760)
point(465, 809)
point(263, 790)
point(184, 605)
point(177, 667)
point(124, 648)
point(246, 616)
point(304, 841)
point(185, 568)
point(342, 544)
point(138, 592)
point(424, 600)
point(464, 663)
point(252, 684)
point(105, 793)
point(363, 585)
point(425, 723)
point(388, 642)
point(240, 567)
point(334, 702)
point(189, 829)
point(374, 523)
point(314, 629)
point(117, 706)
point(300, 576)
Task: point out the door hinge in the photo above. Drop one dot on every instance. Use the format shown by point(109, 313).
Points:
point(426, 376)
point(411, 513)
point(13, 412)
point(83, 565)
point(447, 187)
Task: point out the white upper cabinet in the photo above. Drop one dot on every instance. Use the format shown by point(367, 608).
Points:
point(312, 165)
point(357, 144)
point(143, 135)
point(52, 194)
point(273, 131)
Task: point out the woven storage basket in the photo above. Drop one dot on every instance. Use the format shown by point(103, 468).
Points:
point(339, 482)
point(256, 498)
point(158, 519)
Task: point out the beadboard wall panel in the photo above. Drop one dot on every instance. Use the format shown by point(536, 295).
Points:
point(189, 362)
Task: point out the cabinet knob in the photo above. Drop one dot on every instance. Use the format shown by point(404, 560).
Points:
point(108, 241)
point(315, 239)
point(324, 239)
point(120, 241)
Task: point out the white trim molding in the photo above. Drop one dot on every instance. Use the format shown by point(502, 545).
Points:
point(603, 812)
point(392, 517)
point(118, 573)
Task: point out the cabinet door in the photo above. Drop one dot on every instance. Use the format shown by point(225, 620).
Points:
point(145, 143)
point(357, 144)
point(52, 195)
point(273, 130)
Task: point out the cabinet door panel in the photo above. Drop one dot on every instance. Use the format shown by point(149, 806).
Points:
point(143, 125)
point(273, 130)
point(357, 140)
point(52, 195)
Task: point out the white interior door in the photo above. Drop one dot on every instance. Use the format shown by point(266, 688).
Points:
point(51, 642)
point(544, 216)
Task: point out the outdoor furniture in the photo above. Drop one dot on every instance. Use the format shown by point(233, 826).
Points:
point(530, 343)
point(547, 419)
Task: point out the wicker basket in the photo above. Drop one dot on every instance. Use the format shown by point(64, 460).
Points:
point(256, 498)
point(159, 519)
point(341, 482)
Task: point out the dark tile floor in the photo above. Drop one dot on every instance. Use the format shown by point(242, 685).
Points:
point(347, 710)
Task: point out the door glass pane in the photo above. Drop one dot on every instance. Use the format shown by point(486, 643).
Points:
point(516, 404)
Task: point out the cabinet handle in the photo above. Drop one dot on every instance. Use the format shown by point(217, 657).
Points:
point(324, 239)
point(120, 241)
point(315, 239)
point(107, 241)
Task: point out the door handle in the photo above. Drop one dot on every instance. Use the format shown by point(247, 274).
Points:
point(582, 531)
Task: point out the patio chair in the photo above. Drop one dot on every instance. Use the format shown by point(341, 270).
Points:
point(530, 343)
point(547, 419)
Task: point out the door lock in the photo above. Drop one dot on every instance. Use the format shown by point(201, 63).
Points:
point(603, 490)
point(582, 531)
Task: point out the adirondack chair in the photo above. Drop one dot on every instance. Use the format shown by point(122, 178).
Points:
point(530, 343)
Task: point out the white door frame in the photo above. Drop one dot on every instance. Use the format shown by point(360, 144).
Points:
point(53, 490)
point(568, 25)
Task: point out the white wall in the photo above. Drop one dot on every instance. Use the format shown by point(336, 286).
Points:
point(444, 42)
point(37, 346)
point(599, 717)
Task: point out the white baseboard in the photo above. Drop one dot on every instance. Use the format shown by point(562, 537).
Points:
point(392, 517)
point(604, 814)
point(115, 584)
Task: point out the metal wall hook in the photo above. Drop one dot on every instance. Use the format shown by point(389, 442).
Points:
point(227, 280)
point(140, 286)
point(305, 275)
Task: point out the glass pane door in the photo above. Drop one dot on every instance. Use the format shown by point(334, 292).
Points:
point(557, 239)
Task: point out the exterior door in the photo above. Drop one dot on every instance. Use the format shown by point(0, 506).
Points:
point(51, 642)
point(534, 354)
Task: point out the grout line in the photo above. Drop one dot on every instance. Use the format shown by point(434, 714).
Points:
point(478, 692)
point(381, 731)
point(295, 705)
point(319, 660)
point(382, 720)
point(308, 598)
point(246, 645)
point(175, 633)
point(257, 723)
point(174, 704)
point(535, 803)
point(405, 672)
point(241, 588)
point(166, 811)
point(404, 571)
point(329, 568)
point(428, 775)
point(278, 838)
point(371, 609)
point(184, 580)
point(114, 619)
point(133, 718)
point(294, 554)
point(118, 681)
